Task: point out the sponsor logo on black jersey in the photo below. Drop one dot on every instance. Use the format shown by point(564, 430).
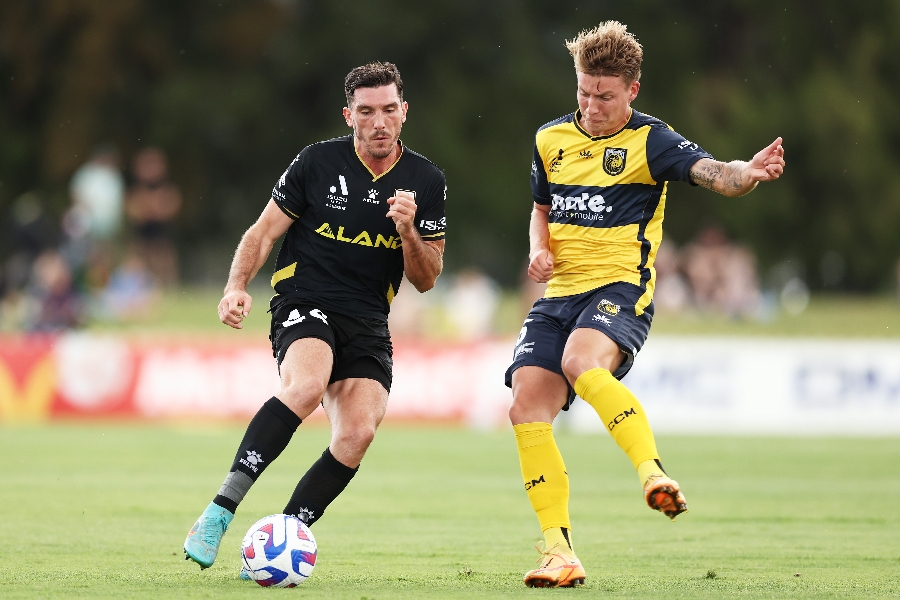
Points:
point(371, 197)
point(614, 160)
point(363, 239)
point(338, 201)
point(433, 225)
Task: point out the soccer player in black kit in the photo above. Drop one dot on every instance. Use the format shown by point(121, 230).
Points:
point(358, 212)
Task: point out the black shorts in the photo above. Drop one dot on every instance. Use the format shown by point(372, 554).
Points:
point(361, 347)
point(609, 309)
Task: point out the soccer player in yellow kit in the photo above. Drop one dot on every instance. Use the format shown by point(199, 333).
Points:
point(599, 180)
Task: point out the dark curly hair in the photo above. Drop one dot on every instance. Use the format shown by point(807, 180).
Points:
point(373, 74)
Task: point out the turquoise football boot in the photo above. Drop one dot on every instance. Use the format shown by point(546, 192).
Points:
point(202, 543)
point(245, 575)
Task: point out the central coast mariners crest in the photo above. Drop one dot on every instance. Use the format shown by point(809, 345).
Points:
point(608, 307)
point(614, 160)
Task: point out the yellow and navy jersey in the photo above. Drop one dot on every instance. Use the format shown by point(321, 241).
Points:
point(607, 195)
point(343, 251)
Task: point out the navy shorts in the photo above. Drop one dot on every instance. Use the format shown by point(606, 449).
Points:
point(609, 309)
point(361, 347)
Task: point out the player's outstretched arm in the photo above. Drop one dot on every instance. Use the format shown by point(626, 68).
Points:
point(251, 254)
point(422, 261)
point(737, 177)
point(540, 259)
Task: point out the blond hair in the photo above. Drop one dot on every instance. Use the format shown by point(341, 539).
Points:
point(607, 49)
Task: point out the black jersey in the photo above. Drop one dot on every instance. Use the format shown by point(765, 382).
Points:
point(342, 250)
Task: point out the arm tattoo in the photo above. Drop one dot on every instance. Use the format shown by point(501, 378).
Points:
point(707, 173)
point(733, 177)
point(727, 176)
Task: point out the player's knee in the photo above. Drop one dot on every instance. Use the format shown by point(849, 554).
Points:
point(355, 440)
point(518, 413)
point(533, 408)
point(302, 396)
point(573, 366)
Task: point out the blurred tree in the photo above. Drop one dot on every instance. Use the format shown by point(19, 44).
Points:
point(233, 90)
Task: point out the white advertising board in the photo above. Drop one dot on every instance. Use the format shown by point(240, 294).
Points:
point(763, 386)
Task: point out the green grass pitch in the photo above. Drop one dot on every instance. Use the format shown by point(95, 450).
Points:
point(101, 510)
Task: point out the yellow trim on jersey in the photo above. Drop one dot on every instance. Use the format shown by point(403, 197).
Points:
point(282, 274)
point(374, 176)
point(285, 209)
point(432, 235)
point(390, 293)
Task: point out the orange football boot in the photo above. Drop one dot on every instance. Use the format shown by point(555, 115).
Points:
point(663, 494)
point(556, 570)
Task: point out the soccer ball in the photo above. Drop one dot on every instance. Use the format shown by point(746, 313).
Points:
point(279, 551)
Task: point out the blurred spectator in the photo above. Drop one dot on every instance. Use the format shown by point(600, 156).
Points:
point(131, 292)
point(673, 294)
point(52, 301)
point(703, 260)
point(722, 275)
point(471, 303)
point(151, 204)
point(94, 219)
point(739, 295)
point(97, 191)
point(31, 231)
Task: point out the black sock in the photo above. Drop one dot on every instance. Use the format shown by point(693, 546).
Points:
point(267, 435)
point(318, 488)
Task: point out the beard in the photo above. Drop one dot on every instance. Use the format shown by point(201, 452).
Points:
point(378, 151)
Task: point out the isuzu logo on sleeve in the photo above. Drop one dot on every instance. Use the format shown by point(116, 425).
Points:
point(614, 160)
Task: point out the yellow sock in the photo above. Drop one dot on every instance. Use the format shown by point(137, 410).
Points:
point(620, 412)
point(648, 469)
point(559, 538)
point(544, 473)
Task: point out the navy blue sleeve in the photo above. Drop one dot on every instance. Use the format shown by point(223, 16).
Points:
point(431, 220)
point(289, 193)
point(540, 188)
point(670, 156)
